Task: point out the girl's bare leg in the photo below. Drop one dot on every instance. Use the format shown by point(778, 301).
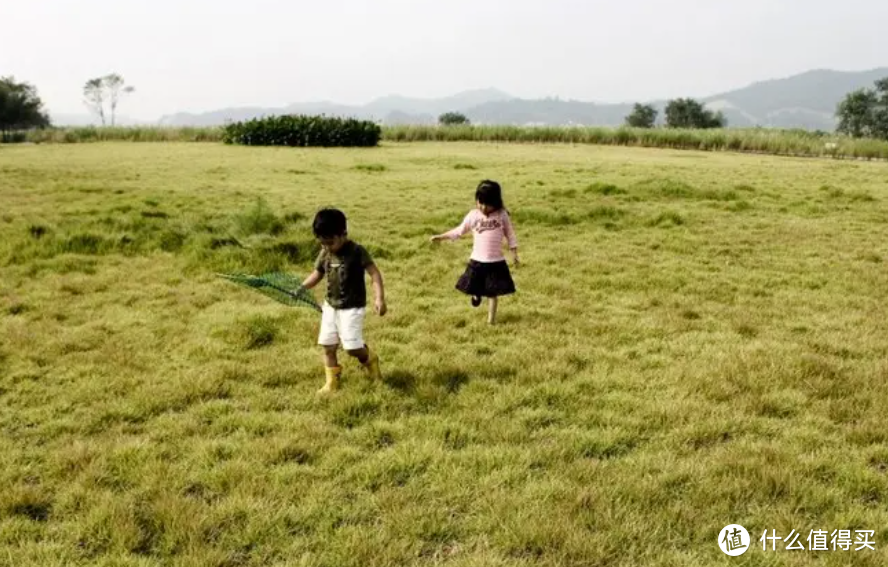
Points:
point(491, 310)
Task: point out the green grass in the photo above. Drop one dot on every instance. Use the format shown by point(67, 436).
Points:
point(697, 340)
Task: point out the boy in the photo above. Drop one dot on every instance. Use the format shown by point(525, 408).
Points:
point(342, 322)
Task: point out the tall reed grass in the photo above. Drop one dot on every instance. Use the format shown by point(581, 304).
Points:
point(751, 140)
point(754, 140)
point(125, 133)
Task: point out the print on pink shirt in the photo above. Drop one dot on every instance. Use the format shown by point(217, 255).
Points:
point(488, 232)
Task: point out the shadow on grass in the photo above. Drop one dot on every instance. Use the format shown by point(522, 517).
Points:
point(400, 380)
point(450, 381)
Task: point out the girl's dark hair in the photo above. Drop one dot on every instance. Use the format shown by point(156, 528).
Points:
point(490, 193)
point(329, 223)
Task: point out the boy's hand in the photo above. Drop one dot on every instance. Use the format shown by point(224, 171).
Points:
point(312, 280)
point(380, 307)
point(436, 238)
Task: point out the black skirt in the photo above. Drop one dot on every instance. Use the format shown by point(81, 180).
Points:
point(486, 279)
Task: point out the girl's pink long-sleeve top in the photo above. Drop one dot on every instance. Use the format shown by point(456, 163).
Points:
point(488, 232)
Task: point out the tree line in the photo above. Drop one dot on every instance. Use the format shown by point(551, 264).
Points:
point(680, 113)
point(862, 113)
point(22, 109)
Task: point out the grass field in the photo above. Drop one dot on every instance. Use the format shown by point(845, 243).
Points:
point(698, 340)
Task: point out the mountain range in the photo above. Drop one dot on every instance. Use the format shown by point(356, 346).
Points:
point(807, 100)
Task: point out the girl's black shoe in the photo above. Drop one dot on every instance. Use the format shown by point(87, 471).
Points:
point(476, 300)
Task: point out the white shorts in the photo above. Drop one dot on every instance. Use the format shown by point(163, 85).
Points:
point(345, 326)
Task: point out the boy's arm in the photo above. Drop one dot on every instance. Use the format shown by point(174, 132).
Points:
point(318, 274)
point(313, 279)
point(378, 289)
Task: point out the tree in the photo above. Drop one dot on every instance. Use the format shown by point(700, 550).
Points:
point(864, 112)
point(453, 118)
point(689, 113)
point(94, 95)
point(642, 116)
point(20, 107)
point(110, 89)
point(116, 87)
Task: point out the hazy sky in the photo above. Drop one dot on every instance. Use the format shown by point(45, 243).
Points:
point(200, 55)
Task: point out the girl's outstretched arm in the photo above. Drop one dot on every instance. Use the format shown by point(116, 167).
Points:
point(455, 233)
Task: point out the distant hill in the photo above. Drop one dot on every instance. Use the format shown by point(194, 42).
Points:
point(807, 100)
point(435, 107)
point(388, 109)
point(549, 111)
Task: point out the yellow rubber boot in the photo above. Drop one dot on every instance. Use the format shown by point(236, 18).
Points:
point(332, 384)
point(371, 367)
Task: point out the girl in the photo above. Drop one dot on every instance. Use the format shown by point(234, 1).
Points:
point(487, 273)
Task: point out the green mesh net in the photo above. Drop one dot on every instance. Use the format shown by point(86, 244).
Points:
point(280, 287)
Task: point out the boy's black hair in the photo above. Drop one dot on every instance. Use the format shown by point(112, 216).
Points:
point(490, 193)
point(329, 223)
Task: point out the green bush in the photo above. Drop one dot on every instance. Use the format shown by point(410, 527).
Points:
point(13, 137)
point(453, 119)
point(302, 130)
